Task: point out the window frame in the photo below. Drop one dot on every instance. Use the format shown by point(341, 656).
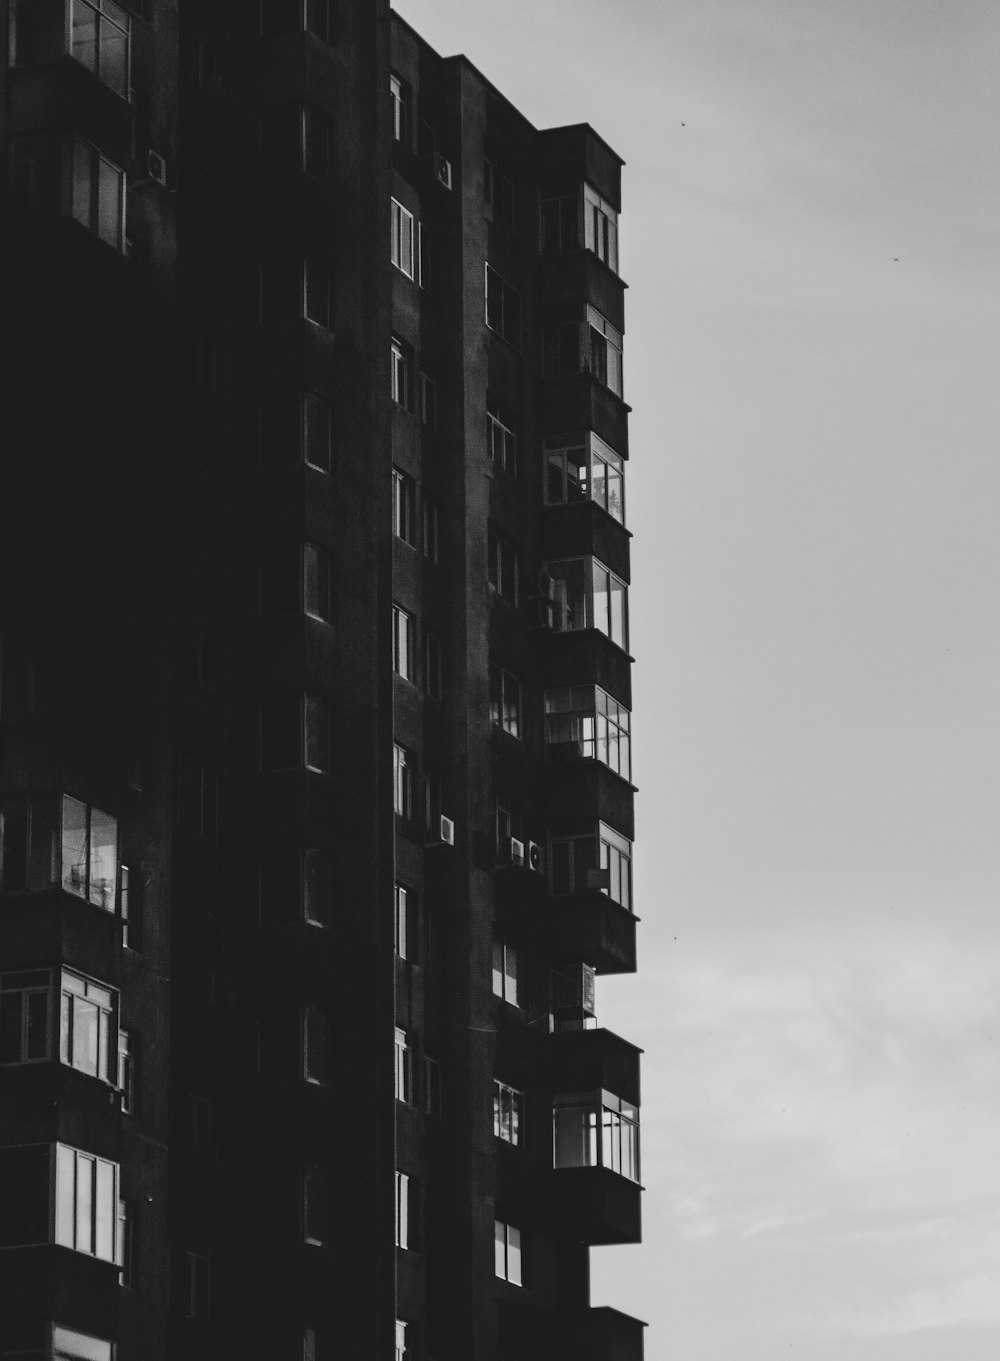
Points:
point(77, 1213)
point(598, 581)
point(404, 779)
point(508, 1256)
point(501, 436)
point(100, 9)
point(404, 507)
point(404, 660)
point(559, 484)
point(502, 567)
point(508, 1113)
point(403, 239)
point(25, 984)
point(507, 971)
point(600, 226)
point(598, 716)
point(503, 307)
point(607, 1130)
point(404, 1067)
point(506, 713)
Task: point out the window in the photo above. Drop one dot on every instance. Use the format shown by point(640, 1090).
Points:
point(126, 1243)
point(432, 802)
point(560, 224)
point(503, 308)
point(403, 773)
point(510, 823)
point(315, 1045)
point(584, 862)
point(400, 1341)
point(401, 372)
point(317, 141)
point(428, 402)
point(58, 840)
point(317, 886)
point(402, 643)
point(582, 467)
point(605, 351)
point(432, 1087)
point(561, 349)
point(319, 19)
point(601, 227)
point(405, 1226)
point(600, 1130)
point(88, 1026)
point(498, 191)
point(404, 1067)
point(129, 904)
point(501, 440)
point(86, 1202)
point(24, 1016)
point(198, 1281)
point(585, 721)
point(431, 528)
point(507, 1254)
point(69, 1345)
point(502, 567)
point(317, 432)
point(404, 507)
point(400, 106)
point(401, 250)
point(508, 1112)
point(505, 972)
point(433, 666)
point(505, 700)
point(317, 289)
point(100, 41)
point(317, 582)
point(294, 733)
point(427, 260)
point(586, 594)
point(126, 1071)
point(403, 926)
point(315, 1205)
point(98, 193)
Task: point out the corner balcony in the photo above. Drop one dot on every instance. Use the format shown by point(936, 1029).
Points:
point(600, 1335)
point(591, 927)
point(594, 1060)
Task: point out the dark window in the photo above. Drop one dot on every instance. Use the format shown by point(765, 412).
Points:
point(503, 308)
point(317, 582)
point(317, 432)
point(100, 40)
point(433, 666)
point(501, 437)
point(98, 193)
point(404, 507)
point(400, 99)
point(317, 143)
point(502, 559)
point(317, 886)
point(24, 1016)
point(318, 289)
point(560, 224)
point(560, 349)
point(498, 191)
point(505, 700)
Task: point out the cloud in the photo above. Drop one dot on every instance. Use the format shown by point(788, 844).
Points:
point(974, 1300)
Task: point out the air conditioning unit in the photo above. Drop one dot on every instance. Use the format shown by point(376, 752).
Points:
point(156, 167)
point(536, 857)
point(515, 851)
point(588, 991)
point(600, 880)
point(447, 831)
point(442, 170)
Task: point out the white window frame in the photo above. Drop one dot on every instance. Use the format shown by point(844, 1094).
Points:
point(506, 971)
point(598, 325)
point(501, 437)
point(402, 251)
point(402, 782)
point(615, 856)
point(404, 1067)
point(507, 1259)
point(403, 1193)
point(401, 921)
point(586, 452)
point(92, 994)
point(600, 227)
point(593, 722)
point(508, 1113)
point(77, 1216)
point(403, 644)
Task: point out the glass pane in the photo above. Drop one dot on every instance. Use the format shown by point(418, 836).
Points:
point(38, 1028)
point(74, 846)
point(316, 414)
point(103, 859)
point(317, 885)
point(105, 1212)
point(85, 1036)
point(114, 58)
point(601, 600)
point(498, 968)
point(513, 1255)
point(73, 1346)
point(65, 1195)
point(317, 718)
point(83, 172)
point(499, 1249)
point(510, 975)
point(109, 203)
point(619, 616)
point(84, 1203)
point(84, 37)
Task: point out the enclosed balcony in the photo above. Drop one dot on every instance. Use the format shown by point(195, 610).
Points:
point(594, 1060)
point(595, 1191)
point(592, 926)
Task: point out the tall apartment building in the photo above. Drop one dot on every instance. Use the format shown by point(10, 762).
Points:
point(315, 805)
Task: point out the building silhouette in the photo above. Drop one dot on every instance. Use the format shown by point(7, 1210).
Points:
point(316, 810)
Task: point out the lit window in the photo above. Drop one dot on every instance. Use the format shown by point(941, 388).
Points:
point(89, 853)
point(129, 904)
point(317, 885)
point(402, 929)
point(401, 372)
point(402, 643)
point(315, 1045)
point(126, 1071)
point(86, 1202)
point(502, 567)
point(583, 467)
point(599, 1131)
point(505, 700)
point(586, 594)
point(401, 250)
point(560, 224)
point(505, 972)
point(400, 1341)
point(404, 1217)
point(605, 351)
point(404, 507)
point(601, 225)
point(503, 308)
point(507, 1254)
point(403, 772)
point(501, 439)
point(98, 193)
point(404, 1067)
point(69, 1345)
point(317, 432)
point(24, 1016)
point(508, 1112)
point(317, 582)
point(315, 1205)
point(100, 41)
point(585, 721)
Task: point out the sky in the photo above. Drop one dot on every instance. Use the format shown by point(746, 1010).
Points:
point(810, 232)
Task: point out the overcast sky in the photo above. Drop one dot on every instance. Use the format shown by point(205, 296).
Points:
point(810, 236)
